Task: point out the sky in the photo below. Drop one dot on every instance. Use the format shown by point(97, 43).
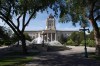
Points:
point(39, 23)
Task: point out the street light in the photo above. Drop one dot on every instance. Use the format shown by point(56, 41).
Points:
point(84, 29)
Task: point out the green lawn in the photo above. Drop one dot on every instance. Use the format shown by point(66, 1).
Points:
point(16, 59)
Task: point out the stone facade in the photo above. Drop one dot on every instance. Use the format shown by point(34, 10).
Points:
point(50, 33)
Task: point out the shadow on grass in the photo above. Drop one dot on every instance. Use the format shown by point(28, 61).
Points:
point(64, 60)
point(16, 59)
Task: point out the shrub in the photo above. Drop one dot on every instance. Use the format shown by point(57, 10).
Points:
point(7, 43)
point(82, 43)
point(90, 43)
point(70, 42)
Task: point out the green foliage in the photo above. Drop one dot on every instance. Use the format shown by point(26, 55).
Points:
point(21, 7)
point(77, 9)
point(62, 39)
point(70, 42)
point(76, 37)
point(5, 34)
point(90, 43)
point(27, 36)
point(14, 38)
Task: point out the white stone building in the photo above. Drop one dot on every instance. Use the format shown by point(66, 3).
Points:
point(50, 33)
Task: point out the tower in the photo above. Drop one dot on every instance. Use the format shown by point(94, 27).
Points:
point(50, 23)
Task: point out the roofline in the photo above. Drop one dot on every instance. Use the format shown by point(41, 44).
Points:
point(32, 30)
point(48, 30)
point(67, 30)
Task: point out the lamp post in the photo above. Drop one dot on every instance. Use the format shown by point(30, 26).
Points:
point(85, 48)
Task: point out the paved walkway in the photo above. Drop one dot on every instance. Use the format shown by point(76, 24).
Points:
point(4, 50)
point(73, 57)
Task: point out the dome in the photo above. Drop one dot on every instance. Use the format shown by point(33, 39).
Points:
point(51, 16)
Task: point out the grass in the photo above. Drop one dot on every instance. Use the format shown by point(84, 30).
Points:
point(94, 56)
point(16, 59)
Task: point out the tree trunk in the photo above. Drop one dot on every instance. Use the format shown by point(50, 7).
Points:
point(24, 48)
point(95, 27)
point(97, 40)
point(96, 36)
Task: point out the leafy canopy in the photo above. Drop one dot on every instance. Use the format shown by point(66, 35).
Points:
point(17, 9)
point(79, 10)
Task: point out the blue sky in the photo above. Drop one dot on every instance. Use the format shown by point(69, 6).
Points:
point(39, 23)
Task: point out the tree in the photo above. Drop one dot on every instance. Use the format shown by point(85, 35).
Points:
point(91, 35)
point(11, 10)
point(70, 42)
point(5, 35)
point(62, 39)
point(87, 11)
point(76, 37)
point(27, 36)
point(14, 38)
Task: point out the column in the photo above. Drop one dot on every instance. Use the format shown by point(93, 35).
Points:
point(51, 36)
point(55, 36)
point(35, 35)
point(41, 36)
point(47, 37)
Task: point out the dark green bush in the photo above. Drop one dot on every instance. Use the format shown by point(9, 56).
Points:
point(7, 43)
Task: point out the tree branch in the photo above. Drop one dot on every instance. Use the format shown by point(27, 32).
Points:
point(18, 22)
point(8, 10)
point(23, 22)
point(29, 19)
point(10, 22)
point(92, 10)
point(10, 26)
point(98, 17)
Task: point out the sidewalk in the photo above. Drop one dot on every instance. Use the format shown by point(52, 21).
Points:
point(4, 50)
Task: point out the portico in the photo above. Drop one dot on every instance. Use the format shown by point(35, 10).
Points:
point(49, 35)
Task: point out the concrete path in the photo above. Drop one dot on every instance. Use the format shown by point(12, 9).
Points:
point(4, 50)
point(73, 57)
